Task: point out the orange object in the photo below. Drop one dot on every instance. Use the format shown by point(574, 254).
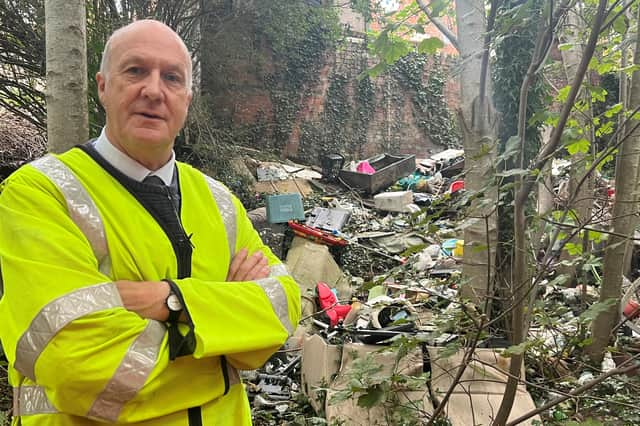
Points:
point(316, 235)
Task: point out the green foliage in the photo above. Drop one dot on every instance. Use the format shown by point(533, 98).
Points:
point(390, 47)
point(364, 8)
point(350, 105)
point(430, 46)
point(516, 27)
point(365, 107)
point(430, 107)
point(299, 36)
point(596, 309)
point(519, 349)
point(348, 109)
point(587, 422)
point(374, 387)
point(393, 41)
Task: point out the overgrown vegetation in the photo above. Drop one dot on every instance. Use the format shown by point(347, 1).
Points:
point(517, 25)
point(431, 112)
point(300, 37)
point(521, 38)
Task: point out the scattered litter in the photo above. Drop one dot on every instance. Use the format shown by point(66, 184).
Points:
point(327, 219)
point(388, 169)
point(378, 255)
point(393, 201)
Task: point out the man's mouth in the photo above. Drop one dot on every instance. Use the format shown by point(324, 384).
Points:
point(150, 115)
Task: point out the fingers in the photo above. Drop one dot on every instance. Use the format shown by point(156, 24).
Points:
point(248, 268)
point(236, 262)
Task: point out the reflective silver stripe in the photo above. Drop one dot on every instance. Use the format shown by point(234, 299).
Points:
point(28, 400)
point(82, 209)
point(55, 316)
point(278, 270)
point(278, 298)
point(131, 375)
point(222, 196)
point(233, 375)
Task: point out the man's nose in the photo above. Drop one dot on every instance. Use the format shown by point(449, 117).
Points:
point(152, 88)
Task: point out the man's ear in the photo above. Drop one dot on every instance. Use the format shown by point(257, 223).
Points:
point(100, 80)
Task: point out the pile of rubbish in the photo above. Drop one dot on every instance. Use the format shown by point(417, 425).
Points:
point(377, 251)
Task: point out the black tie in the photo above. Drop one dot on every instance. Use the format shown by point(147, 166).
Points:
point(153, 180)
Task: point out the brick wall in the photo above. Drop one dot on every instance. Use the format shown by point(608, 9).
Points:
point(241, 99)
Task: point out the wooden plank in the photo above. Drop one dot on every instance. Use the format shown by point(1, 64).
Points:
point(288, 186)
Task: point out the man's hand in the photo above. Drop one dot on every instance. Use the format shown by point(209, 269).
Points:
point(248, 268)
point(145, 298)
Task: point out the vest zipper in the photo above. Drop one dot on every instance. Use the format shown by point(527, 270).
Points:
point(183, 240)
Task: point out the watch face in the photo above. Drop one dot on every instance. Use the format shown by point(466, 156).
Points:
point(173, 303)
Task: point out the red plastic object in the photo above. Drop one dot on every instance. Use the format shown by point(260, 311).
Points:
point(456, 186)
point(632, 309)
point(316, 235)
point(328, 302)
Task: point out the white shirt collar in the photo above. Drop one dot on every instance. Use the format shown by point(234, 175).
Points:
point(128, 165)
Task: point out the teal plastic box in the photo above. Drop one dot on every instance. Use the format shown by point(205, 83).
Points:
point(284, 207)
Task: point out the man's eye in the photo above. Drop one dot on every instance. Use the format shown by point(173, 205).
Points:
point(134, 70)
point(173, 78)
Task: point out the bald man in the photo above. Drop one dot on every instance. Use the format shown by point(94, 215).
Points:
point(134, 285)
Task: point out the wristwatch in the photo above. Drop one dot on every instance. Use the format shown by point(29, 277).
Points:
point(175, 307)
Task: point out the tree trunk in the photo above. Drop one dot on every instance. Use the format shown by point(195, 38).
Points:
point(545, 186)
point(623, 225)
point(478, 122)
point(624, 100)
point(66, 93)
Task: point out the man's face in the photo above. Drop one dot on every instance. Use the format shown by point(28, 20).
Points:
point(144, 92)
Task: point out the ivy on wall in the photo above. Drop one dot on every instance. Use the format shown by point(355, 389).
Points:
point(512, 57)
point(349, 106)
point(517, 25)
point(290, 48)
point(365, 107)
point(392, 103)
point(300, 37)
point(431, 112)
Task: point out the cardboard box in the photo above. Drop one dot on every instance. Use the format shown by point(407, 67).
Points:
point(475, 399)
point(326, 368)
point(478, 395)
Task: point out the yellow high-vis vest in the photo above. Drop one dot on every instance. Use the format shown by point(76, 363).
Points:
point(68, 230)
